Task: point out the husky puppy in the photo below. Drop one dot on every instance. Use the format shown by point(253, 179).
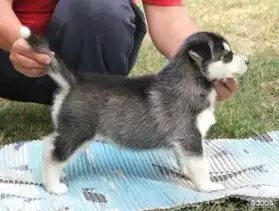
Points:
point(172, 109)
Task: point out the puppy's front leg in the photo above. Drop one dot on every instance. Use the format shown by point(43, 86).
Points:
point(193, 163)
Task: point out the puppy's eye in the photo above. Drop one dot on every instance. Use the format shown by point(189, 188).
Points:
point(227, 56)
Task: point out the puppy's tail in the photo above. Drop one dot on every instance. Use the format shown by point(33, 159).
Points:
point(57, 69)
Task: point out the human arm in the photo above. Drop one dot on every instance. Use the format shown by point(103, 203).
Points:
point(9, 25)
point(168, 27)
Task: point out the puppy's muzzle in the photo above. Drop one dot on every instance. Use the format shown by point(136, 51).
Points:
point(246, 60)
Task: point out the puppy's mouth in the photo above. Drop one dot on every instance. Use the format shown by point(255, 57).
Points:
point(238, 74)
point(234, 75)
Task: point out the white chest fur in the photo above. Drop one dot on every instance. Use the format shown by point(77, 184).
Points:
point(207, 118)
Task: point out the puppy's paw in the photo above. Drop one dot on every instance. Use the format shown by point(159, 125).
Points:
point(58, 189)
point(210, 187)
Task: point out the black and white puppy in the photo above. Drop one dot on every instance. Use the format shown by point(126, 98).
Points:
point(172, 109)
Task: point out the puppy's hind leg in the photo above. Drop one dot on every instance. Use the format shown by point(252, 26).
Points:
point(51, 169)
point(60, 149)
point(193, 163)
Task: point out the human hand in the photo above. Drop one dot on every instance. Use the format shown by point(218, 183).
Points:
point(225, 88)
point(26, 61)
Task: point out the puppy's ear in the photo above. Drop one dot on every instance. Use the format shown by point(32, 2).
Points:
point(199, 53)
point(195, 57)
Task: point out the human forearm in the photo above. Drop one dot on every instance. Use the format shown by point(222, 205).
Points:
point(9, 25)
point(168, 27)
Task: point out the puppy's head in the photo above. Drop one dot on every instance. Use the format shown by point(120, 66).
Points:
point(211, 54)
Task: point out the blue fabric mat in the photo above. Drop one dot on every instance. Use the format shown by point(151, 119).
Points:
point(107, 178)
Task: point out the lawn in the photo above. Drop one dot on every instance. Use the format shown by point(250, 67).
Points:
point(252, 26)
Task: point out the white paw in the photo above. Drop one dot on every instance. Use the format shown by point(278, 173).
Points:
point(58, 189)
point(210, 187)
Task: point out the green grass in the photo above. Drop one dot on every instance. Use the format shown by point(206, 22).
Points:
point(252, 26)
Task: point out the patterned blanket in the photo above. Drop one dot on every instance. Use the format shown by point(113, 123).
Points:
point(108, 178)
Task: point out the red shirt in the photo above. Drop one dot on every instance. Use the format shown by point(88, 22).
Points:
point(36, 14)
